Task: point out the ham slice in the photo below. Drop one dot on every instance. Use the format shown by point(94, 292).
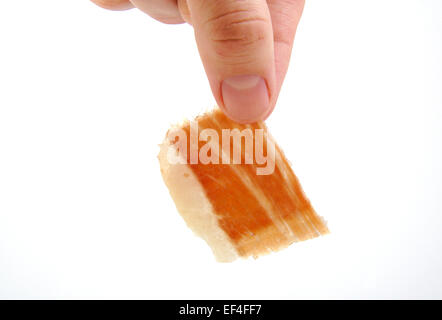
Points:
point(238, 211)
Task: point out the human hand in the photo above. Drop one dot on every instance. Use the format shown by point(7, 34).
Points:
point(245, 46)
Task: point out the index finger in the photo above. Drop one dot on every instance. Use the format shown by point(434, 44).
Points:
point(114, 4)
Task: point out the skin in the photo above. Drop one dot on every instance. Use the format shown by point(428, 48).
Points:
point(245, 46)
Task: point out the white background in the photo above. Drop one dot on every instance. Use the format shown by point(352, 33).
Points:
point(86, 96)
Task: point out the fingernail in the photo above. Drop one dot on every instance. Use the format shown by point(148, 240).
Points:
point(246, 98)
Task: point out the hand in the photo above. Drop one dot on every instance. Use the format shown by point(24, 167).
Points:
point(245, 46)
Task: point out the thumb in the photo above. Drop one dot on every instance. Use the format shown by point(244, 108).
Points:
point(235, 42)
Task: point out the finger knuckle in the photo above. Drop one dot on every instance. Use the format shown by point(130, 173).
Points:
point(235, 33)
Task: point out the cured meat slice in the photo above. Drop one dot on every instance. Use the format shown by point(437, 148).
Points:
point(234, 187)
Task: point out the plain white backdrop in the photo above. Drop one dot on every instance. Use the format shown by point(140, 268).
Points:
point(86, 96)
